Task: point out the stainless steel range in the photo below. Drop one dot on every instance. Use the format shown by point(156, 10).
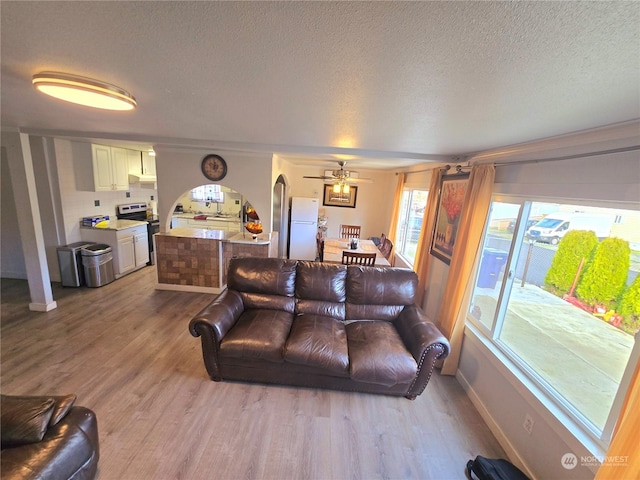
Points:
point(138, 211)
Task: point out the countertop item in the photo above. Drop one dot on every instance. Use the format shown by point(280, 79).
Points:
point(119, 225)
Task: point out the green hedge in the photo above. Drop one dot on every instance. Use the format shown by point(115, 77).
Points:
point(576, 245)
point(629, 307)
point(606, 275)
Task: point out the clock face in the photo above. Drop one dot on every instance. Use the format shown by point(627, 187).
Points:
point(214, 167)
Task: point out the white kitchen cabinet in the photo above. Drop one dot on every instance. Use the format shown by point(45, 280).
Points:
point(110, 168)
point(177, 222)
point(133, 249)
point(148, 164)
point(134, 162)
point(130, 246)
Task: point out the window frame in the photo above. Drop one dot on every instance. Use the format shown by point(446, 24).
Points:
point(490, 336)
point(403, 231)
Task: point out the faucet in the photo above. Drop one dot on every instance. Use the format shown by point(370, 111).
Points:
point(218, 211)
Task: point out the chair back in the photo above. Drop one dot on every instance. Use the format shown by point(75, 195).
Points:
point(385, 248)
point(350, 231)
point(320, 245)
point(357, 258)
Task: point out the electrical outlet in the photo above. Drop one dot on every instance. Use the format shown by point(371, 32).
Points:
point(528, 424)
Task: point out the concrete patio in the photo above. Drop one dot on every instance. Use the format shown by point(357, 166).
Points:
point(581, 356)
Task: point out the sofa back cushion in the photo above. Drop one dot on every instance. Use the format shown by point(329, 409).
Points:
point(321, 289)
point(264, 282)
point(379, 293)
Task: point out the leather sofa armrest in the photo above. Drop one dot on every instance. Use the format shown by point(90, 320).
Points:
point(219, 316)
point(425, 342)
point(212, 323)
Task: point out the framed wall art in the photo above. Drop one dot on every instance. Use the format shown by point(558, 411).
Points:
point(453, 189)
point(333, 199)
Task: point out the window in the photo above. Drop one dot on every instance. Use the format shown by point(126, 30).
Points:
point(207, 193)
point(533, 301)
point(412, 208)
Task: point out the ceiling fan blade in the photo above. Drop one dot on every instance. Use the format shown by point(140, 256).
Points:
point(320, 178)
point(359, 180)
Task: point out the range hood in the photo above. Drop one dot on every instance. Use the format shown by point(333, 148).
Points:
point(142, 178)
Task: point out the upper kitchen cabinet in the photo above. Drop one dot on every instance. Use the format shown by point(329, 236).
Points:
point(148, 164)
point(142, 168)
point(110, 168)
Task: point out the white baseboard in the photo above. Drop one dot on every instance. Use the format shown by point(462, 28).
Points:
point(503, 440)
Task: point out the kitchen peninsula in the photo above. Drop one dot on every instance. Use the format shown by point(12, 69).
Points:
point(196, 259)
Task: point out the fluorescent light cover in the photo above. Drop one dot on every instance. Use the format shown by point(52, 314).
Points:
point(84, 91)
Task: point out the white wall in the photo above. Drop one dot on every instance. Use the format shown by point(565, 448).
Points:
point(374, 201)
point(12, 256)
point(178, 171)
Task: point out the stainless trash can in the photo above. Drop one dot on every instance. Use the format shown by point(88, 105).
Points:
point(70, 262)
point(97, 261)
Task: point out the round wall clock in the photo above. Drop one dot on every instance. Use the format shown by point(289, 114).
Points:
point(214, 167)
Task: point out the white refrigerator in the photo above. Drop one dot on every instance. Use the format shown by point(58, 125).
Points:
point(303, 228)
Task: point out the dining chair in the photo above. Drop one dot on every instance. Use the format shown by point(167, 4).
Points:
point(357, 258)
point(385, 248)
point(349, 231)
point(320, 244)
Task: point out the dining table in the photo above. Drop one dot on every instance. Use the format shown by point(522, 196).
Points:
point(333, 248)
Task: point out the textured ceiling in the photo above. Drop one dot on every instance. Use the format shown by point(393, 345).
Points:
point(396, 82)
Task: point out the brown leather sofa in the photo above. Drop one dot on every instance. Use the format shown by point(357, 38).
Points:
point(47, 437)
point(320, 325)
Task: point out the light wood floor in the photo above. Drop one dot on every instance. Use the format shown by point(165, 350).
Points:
point(125, 350)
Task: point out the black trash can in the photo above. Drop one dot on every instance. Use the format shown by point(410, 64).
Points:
point(492, 262)
point(97, 261)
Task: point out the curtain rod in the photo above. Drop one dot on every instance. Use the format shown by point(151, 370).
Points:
point(566, 157)
point(459, 167)
point(444, 167)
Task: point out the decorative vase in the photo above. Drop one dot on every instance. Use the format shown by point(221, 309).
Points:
point(448, 234)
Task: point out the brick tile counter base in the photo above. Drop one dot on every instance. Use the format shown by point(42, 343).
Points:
point(188, 261)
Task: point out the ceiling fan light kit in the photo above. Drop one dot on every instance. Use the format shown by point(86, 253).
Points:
point(84, 91)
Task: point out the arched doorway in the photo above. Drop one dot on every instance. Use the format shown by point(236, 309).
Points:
point(281, 214)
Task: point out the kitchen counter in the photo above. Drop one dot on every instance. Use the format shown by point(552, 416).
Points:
point(191, 216)
point(222, 235)
point(196, 259)
point(118, 225)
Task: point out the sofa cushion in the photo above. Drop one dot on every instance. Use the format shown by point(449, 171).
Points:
point(379, 293)
point(378, 355)
point(321, 281)
point(24, 420)
point(318, 341)
point(273, 276)
point(258, 334)
point(63, 404)
point(321, 289)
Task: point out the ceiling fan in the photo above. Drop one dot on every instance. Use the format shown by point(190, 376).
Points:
point(341, 176)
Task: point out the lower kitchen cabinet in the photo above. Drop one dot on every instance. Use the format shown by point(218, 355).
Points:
point(130, 246)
